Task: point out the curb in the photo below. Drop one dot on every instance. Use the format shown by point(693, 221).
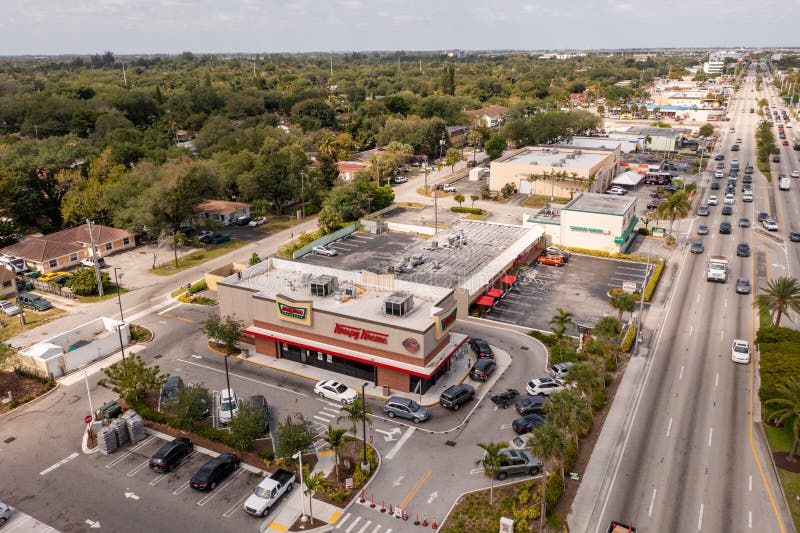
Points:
point(16, 409)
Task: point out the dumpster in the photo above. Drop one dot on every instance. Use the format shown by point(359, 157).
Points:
point(111, 409)
point(219, 239)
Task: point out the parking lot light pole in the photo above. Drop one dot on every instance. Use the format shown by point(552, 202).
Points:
point(364, 463)
point(227, 376)
point(121, 319)
point(299, 455)
point(641, 301)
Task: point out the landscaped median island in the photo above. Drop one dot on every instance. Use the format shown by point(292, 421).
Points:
point(197, 257)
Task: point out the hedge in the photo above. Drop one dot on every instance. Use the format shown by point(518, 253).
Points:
point(470, 210)
point(601, 253)
point(627, 341)
point(651, 284)
point(780, 359)
point(546, 338)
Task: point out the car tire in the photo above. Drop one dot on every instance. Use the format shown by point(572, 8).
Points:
point(501, 476)
point(456, 406)
point(265, 511)
point(213, 485)
point(534, 471)
point(344, 402)
point(2, 521)
point(320, 394)
point(391, 414)
point(416, 420)
point(290, 487)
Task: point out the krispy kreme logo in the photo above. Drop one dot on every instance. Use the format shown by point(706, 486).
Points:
point(292, 311)
point(361, 334)
point(448, 320)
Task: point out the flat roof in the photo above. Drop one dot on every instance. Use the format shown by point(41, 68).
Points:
point(547, 157)
point(596, 143)
point(291, 279)
point(450, 263)
point(606, 204)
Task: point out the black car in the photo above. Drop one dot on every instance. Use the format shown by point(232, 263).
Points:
point(762, 216)
point(243, 220)
point(481, 348)
point(531, 405)
point(715, 186)
point(725, 228)
point(526, 423)
point(171, 454)
point(727, 210)
point(697, 247)
point(719, 157)
point(258, 404)
point(747, 178)
point(454, 396)
point(482, 369)
point(794, 236)
point(214, 471)
point(748, 169)
point(743, 250)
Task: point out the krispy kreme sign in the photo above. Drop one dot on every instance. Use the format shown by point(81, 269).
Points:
point(361, 334)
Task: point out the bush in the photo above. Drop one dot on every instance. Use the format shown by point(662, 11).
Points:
point(26, 373)
point(570, 456)
point(145, 412)
point(628, 339)
point(772, 335)
point(213, 434)
point(470, 210)
point(546, 338)
point(643, 231)
point(608, 379)
point(554, 490)
point(653, 281)
point(599, 399)
point(197, 287)
point(267, 455)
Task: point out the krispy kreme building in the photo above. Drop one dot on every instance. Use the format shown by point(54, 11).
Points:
point(370, 326)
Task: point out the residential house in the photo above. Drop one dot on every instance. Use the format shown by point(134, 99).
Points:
point(492, 116)
point(223, 211)
point(349, 169)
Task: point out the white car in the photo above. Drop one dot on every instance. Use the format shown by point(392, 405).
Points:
point(544, 386)
point(400, 179)
point(260, 221)
point(324, 250)
point(740, 351)
point(9, 308)
point(712, 200)
point(449, 187)
point(729, 199)
point(617, 190)
point(89, 262)
point(769, 224)
point(228, 406)
point(795, 173)
point(719, 174)
point(333, 390)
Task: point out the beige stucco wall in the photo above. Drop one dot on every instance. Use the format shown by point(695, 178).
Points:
point(610, 226)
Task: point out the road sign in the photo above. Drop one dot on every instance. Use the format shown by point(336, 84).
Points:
point(629, 286)
point(87, 419)
point(348, 483)
point(659, 232)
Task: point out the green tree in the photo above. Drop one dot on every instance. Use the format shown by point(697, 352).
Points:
point(131, 377)
point(254, 259)
point(558, 325)
point(449, 80)
point(452, 156)
point(313, 483)
point(294, 435)
point(779, 296)
point(226, 331)
point(474, 198)
point(495, 145)
point(6, 352)
point(623, 302)
point(569, 411)
point(491, 462)
point(547, 442)
point(586, 378)
point(335, 439)
point(179, 240)
point(459, 198)
point(609, 329)
point(784, 408)
point(83, 281)
point(706, 130)
point(191, 405)
point(354, 413)
point(474, 138)
point(246, 427)
point(675, 206)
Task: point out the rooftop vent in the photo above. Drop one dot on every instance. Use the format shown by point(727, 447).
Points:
point(324, 285)
point(398, 304)
point(306, 278)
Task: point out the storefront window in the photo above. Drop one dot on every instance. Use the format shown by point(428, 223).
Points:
point(327, 361)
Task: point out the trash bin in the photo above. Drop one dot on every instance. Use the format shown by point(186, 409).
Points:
point(386, 390)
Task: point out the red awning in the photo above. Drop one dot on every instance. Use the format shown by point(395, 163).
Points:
point(485, 300)
point(494, 293)
point(508, 279)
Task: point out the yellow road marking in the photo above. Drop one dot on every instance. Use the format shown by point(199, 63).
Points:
point(752, 395)
point(416, 488)
point(189, 320)
point(334, 517)
point(278, 527)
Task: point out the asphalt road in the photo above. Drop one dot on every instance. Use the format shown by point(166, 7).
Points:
point(689, 463)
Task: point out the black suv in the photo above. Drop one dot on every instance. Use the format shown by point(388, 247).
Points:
point(170, 455)
point(531, 405)
point(482, 369)
point(481, 348)
point(725, 228)
point(454, 396)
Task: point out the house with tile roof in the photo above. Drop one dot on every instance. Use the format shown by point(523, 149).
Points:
point(492, 115)
point(224, 212)
point(349, 169)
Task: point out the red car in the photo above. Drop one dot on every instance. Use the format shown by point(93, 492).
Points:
point(786, 143)
point(552, 260)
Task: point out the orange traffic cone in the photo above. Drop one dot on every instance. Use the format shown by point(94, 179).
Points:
point(391, 512)
point(383, 507)
point(416, 520)
point(372, 503)
point(425, 521)
point(405, 516)
point(434, 526)
point(363, 499)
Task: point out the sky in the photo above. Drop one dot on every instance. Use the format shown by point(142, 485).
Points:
point(45, 27)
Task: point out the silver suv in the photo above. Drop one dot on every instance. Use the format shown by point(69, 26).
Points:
point(405, 408)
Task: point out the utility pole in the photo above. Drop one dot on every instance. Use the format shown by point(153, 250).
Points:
point(124, 76)
point(331, 65)
point(94, 259)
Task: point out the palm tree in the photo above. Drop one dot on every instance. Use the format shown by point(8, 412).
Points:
point(313, 483)
point(623, 302)
point(491, 462)
point(676, 205)
point(548, 443)
point(327, 145)
point(779, 296)
point(785, 406)
point(586, 378)
point(335, 439)
point(609, 329)
point(354, 413)
point(570, 412)
point(559, 324)
point(474, 138)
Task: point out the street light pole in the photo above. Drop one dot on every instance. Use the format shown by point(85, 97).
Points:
point(364, 463)
point(641, 300)
point(121, 318)
point(299, 455)
point(227, 377)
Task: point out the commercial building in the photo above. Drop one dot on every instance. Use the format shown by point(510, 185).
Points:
point(714, 67)
point(594, 221)
point(558, 171)
point(371, 326)
point(660, 139)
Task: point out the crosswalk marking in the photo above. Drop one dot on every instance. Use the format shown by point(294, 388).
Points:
point(354, 524)
point(342, 520)
point(365, 526)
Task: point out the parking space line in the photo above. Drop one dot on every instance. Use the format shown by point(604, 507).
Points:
point(157, 479)
point(235, 506)
point(325, 420)
point(63, 461)
point(130, 452)
point(219, 489)
point(243, 377)
point(181, 489)
point(138, 468)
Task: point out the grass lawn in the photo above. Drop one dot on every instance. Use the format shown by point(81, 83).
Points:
point(197, 257)
point(765, 169)
point(33, 319)
point(780, 439)
point(541, 201)
point(413, 205)
point(477, 217)
point(281, 222)
point(431, 193)
point(110, 292)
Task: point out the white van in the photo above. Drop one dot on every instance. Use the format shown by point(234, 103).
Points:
point(784, 184)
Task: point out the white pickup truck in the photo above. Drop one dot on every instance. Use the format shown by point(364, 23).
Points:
point(717, 268)
point(268, 492)
point(784, 184)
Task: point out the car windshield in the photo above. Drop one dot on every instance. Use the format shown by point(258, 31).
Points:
point(262, 492)
point(413, 406)
point(740, 348)
point(340, 388)
point(227, 405)
point(717, 266)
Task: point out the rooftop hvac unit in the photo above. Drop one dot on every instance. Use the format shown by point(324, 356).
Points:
point(434, 244)
point(578, 152)
point(555, 151)
point(324, 285)
point(398, 304)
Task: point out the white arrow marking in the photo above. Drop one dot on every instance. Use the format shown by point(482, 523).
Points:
point(433, 496)
point(476, 471)
point(388, 435)
point(131, 496)
point(92, 525)
point(197, 356)
point(396, 482)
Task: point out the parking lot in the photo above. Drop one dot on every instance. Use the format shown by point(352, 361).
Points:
point(222, 506)
point(580, 287)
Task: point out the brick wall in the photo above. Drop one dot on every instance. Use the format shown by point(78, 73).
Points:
point(396, 380)
point(266, 347)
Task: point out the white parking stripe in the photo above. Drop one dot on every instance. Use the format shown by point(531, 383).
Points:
point(63, 461)
point(325, 420)
point(181, 488)
point(157, 479)
point(138, 468)
point(236, 506)
point(365, 526)
point(219, 489)
point(130, 452)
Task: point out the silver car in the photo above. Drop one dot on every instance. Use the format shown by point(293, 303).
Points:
point(5, 513)
point(324, 250)
point(405, 408)
point(9, 308)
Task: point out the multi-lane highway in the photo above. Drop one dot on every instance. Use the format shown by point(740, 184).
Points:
point(691, 460)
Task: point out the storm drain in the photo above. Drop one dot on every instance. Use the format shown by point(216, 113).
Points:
point(450, 442)
point(9, 440)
